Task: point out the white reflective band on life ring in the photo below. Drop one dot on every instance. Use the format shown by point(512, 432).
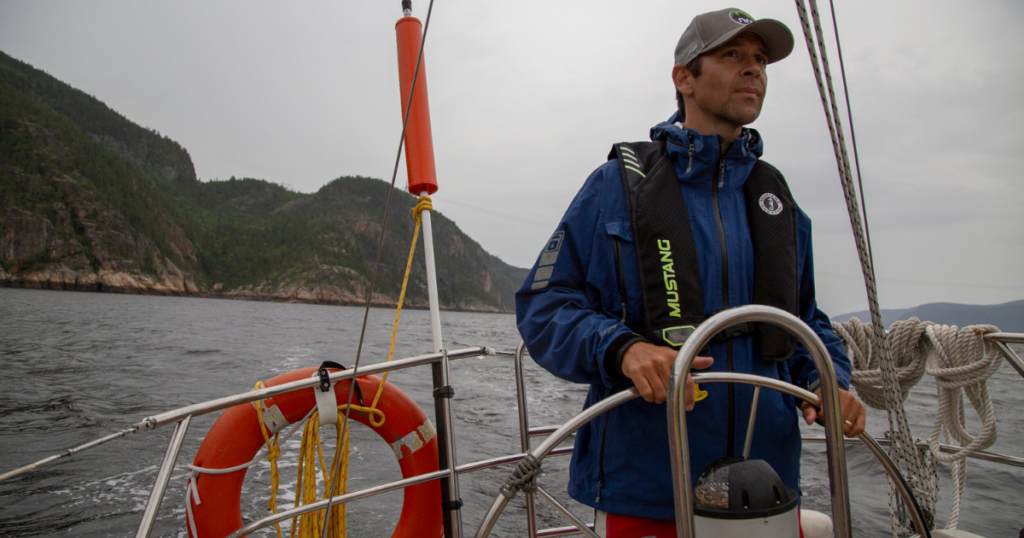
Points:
point(273, 418)
point(414, 440)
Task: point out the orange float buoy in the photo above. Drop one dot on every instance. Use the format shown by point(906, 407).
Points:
point(419, 144)
point(236, 437)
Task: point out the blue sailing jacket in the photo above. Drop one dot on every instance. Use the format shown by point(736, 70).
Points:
point(569, 312)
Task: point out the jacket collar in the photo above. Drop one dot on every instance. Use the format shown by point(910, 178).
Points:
point(696, 155)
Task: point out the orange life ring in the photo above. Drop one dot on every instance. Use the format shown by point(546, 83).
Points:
point(236, 437)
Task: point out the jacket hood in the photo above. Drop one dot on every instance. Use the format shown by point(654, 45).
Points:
point(739, 160)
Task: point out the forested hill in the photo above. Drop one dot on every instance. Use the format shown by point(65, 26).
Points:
point(92, 201)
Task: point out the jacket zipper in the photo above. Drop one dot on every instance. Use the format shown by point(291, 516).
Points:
point(620, 277)
point(622, 297)
point(600, 460)
point(718, 181)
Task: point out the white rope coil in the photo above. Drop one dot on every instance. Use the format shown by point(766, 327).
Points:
point(908, 354)
point(960, 360)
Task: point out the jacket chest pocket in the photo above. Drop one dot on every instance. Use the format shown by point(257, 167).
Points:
point(618, 233)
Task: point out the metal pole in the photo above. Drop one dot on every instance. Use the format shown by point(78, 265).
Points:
point(750, 423)
point(442, 393)
point(163, 476)
point(549, 444)
point(678, 441)
point(454, 501)
point(195, 410)
point(524, 433)
point(586, 530)
point(68, 453)
point(428, 253)
point(340, 499)
point(1011, 357)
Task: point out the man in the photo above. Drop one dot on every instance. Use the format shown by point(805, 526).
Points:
point(660, 237)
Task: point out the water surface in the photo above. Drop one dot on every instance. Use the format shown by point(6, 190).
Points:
point(76, 366)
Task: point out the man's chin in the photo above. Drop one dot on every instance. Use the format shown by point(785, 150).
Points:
point(742, 118)
point(747, 115)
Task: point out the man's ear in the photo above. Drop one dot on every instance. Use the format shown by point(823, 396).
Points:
point(683, 79)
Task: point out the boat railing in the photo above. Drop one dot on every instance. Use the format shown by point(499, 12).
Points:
point(182, 417)
point(1003, 341)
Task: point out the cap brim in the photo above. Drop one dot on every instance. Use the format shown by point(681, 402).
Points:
point(778, 40)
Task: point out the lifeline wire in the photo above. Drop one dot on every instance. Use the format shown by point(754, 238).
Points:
point(903, 448)
point(853, 134)
point(380, 245)
point(68, 453)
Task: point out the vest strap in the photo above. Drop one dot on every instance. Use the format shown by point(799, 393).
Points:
point(667, 255)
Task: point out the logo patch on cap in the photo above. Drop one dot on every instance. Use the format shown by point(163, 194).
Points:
point(741, 17)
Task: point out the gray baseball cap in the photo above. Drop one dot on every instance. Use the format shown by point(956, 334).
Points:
point(709, 31)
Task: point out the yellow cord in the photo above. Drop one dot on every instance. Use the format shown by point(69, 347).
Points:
point(423, 203)
point(311, 449)
point(308, 525)
point(273, 452)
point(305, 486)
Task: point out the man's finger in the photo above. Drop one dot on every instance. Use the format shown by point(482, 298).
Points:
point(644, 388)
point(810, 412)
point(691, 391)
point(700, 363)
point(860, 424)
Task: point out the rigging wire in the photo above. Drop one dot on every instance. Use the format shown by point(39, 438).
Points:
point(380, 246)
point(853, 134)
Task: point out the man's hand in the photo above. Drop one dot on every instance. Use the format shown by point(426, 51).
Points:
point(853, 415)
point(650, 367)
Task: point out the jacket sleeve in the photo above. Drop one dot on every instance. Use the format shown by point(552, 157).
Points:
point(558, 310)
point(801, 366)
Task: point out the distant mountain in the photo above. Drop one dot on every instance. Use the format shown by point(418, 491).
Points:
point(91, 201)
point(1009, 317)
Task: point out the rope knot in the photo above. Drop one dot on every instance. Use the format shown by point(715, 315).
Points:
point(422, 203)
point(274, 452)
point(524, 477)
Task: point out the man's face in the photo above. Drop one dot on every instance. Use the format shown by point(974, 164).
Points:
point(732, 83)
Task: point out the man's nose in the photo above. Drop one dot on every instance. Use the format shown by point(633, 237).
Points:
point(753, 69)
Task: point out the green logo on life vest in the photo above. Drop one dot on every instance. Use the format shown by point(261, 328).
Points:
point(669, 273)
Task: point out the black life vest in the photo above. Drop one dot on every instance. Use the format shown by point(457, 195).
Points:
point(667, 257)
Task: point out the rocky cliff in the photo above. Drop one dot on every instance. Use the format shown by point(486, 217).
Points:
point(90, 201)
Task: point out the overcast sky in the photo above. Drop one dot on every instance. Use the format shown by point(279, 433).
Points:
point(527, 97)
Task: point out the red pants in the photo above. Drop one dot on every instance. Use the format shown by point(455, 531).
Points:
point(619, 526)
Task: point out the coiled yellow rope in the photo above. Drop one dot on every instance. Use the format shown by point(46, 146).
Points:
point(422, 203)
point(305, 486)
point(310, 524)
